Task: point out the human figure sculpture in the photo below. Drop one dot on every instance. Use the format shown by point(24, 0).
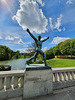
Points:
point(38, 50)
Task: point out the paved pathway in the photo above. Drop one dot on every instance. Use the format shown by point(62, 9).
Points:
point(63, 94)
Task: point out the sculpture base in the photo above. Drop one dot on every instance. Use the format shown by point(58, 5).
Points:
point(37, 80)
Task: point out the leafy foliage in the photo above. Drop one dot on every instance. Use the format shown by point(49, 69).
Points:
point(65, 48)
point(1, 67)
point(49, 53)
point(5, 53)
point(39, 62)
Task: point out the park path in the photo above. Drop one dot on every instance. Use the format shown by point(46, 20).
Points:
point(63, 94)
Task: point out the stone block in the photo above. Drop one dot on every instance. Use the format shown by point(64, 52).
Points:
point(37, 81)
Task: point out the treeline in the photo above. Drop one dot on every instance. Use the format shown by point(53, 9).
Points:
point(6, 53)
point(64, 48)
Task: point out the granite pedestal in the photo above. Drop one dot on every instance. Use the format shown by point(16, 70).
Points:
point(37, 80)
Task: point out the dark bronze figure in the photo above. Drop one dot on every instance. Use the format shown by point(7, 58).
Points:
point(38, 50)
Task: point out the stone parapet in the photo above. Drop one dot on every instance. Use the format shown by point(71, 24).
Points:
point(37, 81)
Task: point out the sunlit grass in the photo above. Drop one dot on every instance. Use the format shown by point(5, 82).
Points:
point(56, 63)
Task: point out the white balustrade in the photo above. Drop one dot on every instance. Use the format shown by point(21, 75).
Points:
point(15, 82)
point(56, 77)
point(22, 81)
point(8, 82)
point(1, 83)
point(15, 79)
point(63, 77)
point(60, 76)
point(73, 76)
point(10, 79)
point(63, 74)
point(68, 75)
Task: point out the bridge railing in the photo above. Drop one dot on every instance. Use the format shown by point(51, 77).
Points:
point(12, 82)
point(11, 79)
point(63, 77)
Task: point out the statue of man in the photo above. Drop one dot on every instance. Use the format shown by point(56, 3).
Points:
point(39, 47)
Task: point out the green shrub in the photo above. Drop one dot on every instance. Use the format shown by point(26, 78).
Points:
point(1, 67)
point(49, 54)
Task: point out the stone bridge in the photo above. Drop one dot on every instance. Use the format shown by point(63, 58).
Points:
point(63, 83)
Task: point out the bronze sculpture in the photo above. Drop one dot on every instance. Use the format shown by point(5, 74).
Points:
point(38, 50)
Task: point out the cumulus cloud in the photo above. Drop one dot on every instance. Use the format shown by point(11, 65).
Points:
point(20, 41)
point(44, 49)
point(51, 24)
point(9, 38)
point(43, 38)
point(40, 2)
point(57, 24)
point(16, 40)
point(69, 2)
point(31, 16)
point(57, 40)
point(16, 37)
point(23, 50)
point(1, 37)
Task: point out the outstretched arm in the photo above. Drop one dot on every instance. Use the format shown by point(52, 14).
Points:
point(31, 34)
point(45, 39)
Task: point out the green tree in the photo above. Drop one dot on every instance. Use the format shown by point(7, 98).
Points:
point(65, 48)
point(17, 54)
point(49, 53)
point(5, 53)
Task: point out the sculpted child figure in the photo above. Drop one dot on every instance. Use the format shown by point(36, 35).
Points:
point(38, 50)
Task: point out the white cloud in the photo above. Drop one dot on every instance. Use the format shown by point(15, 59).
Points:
point(16, 40)
point(16, 37)
point(23, 50)
point(51, 24)
point(44, 49)
point(69, 2)
point(1, 37)
point(57, 24)
point(31, 16)
point(20, 41)
point(43, 38)
point(40, 2)
point(57, 40)
point(9, 38)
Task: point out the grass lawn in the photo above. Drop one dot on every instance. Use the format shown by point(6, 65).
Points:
point(57, 63)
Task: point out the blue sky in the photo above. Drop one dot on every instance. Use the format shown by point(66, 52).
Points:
point(55, 19)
